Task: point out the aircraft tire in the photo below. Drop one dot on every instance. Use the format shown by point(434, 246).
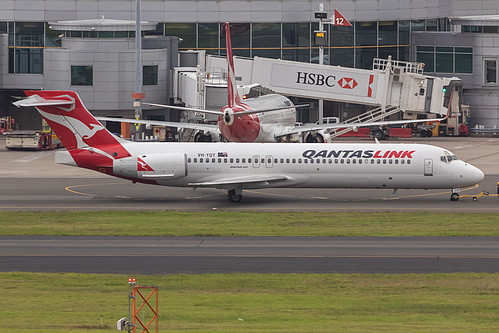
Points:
point(377, 134)
point(233, 197)
point(454, 197)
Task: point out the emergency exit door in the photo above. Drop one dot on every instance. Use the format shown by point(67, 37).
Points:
point(428, 167)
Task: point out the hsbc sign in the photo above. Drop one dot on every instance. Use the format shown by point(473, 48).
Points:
point(327, 79)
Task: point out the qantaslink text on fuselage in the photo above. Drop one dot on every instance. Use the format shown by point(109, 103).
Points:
point(316, 79)
point(311, 153)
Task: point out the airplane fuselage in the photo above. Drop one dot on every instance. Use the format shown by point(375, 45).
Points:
point(259, 127)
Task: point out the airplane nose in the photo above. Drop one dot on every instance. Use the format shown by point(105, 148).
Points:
point(472, 174)
point(479, 175)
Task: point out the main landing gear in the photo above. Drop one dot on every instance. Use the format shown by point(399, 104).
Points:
point(235, 195)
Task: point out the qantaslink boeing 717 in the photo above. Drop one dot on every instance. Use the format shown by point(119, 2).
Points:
point(237, 166)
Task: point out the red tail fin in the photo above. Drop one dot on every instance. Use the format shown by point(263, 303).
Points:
point(73, 124)
point(233, 94)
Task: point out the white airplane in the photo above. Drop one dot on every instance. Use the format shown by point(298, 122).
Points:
point(267, 118)
point(237, 166)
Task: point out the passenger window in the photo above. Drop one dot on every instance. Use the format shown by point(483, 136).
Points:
point(305, 161)
point(282, 160)
point(408, 161)
point(324, 161)
point(212, 160)
point(390, 161)
point(299, 160)
point(294, 160)
point(244, 160)
point(336, 161)
point(195, 160)
point(219, 160)
point(189, 160)
point(354, 161)
point(402, 161)
point(384, 161)
point(225, 160)
point(396, 161)
point(342, 161)
point(231, 160)
point(200, 160)
point(348, 161)
point(249, 160)
point(379, 161)
point(287, 160)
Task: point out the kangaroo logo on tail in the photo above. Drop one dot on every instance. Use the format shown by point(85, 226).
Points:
point(82, 135)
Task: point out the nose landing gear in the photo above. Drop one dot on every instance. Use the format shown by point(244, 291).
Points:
point(454, 197)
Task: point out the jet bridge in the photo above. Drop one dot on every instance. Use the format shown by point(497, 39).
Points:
point(389, 87)
point(390, 83)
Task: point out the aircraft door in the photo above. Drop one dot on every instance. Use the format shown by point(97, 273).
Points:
point(428, 167)
point(256, 161)
point(268, 161)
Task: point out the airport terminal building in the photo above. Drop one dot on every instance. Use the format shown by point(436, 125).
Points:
point(87, 45)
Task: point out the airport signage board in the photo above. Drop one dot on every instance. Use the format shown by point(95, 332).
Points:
point(327, 79)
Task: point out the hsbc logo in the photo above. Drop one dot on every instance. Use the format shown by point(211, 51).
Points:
point(347, 83)
point(315, 79)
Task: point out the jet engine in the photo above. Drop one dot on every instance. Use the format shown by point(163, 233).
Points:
point(317, 137)
point(152, 166)
point(205, 136)
point(228, 116)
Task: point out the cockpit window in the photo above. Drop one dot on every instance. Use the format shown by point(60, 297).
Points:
point(447, 158)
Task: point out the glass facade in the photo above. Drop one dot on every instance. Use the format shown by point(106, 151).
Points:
point(446, 59)
point(354, 46)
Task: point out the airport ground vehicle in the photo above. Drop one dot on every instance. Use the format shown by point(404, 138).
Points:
point(31, 140)
point(6, 124)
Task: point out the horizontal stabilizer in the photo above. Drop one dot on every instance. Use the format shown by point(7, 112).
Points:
point(36, 100)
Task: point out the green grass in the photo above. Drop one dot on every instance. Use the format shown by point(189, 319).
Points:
point(256, 302)
point(218, 223)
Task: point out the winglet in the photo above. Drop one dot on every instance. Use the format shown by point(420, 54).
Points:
point(233, 94)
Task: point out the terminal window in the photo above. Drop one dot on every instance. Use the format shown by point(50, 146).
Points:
point(150, 75)
point(82, 75)
point(490, 67)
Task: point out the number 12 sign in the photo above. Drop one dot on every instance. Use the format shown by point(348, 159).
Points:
point(340, 20)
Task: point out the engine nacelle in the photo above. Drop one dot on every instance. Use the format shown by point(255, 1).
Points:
point(205, 136)
point(152, 166)
point(317, 137)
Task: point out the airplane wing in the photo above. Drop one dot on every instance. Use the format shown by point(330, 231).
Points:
point(183, 108)
point(248, 181)
point(199, 127)
point(330, 127)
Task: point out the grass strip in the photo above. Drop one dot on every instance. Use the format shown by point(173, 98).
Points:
point(219, 223)
point(256, 302)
